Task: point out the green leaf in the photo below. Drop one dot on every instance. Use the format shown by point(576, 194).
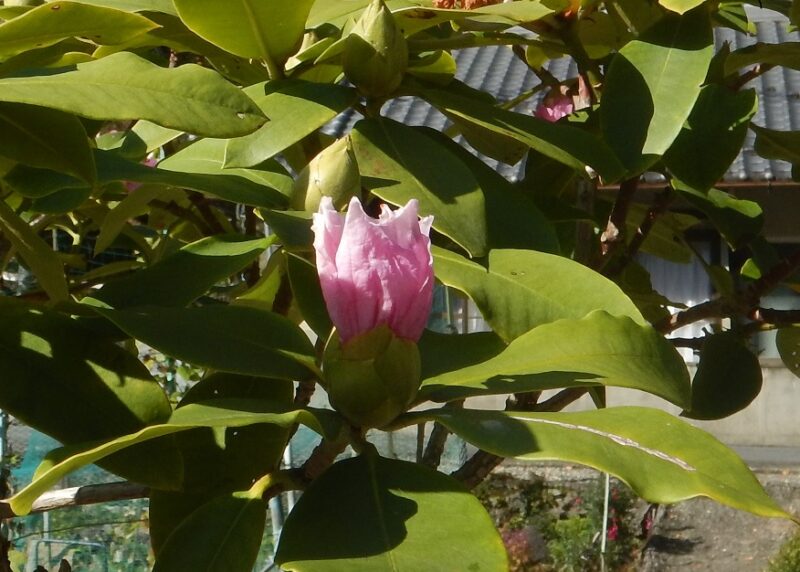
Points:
point(512, 219)
point(40, 258)
point(132, 206)
point(599, 349)
point(663, 459)
point(786, 54)
point(50, 362)
point(712, 137)
point(223, 535)
point(295, 109)
point(564, 143)
point(308, 294)
point(293, 228)
point(728, 378)
point(240, 455)
point(164, 6)
point(337, 12)
point(124, 86)
point(782, 145)
point(738, 220)
point(45, 138)
point(61, 202)
point(371, 514)
point(50, 23)
point(220, 413)
point(441, 353)
point(398, 163)
point(788, 343)
point(415, 19)
point(652, 85)
point(145, 137)
point(184, 276)
point(522, 289)
point(236, 339)
point(680, 6)
point(265, 29)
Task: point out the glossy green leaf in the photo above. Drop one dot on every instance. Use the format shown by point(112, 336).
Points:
point(337, 12)
point(40, 258)
point(398, 163)
point(786, 54)
point(295, 109)
point(61, 202)
point(132, 206)
point(599, 349)
point(265, 29)
point(564, 143)
point(45, 138)
point(788, 343)
point(293, 228)
point(371, 514)
point(728, 378)
point(188, 98)
point(236, 339)
point(739, 221)
point(518, 290)
point(782, 145)
point(184, 276)
point(652, 85)
point(308, 294)
point(414, 19)
point(146, 137)
point(50, 23)
point(223, 535)
point(680, 6)
point(712, 137)
point(663, 459)
point(220, 413)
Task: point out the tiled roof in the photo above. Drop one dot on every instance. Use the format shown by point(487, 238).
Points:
point(498, 71)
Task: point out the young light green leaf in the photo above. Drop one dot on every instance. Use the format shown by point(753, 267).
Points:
point(124, 86)
point(266, 29)
point(52, 22)
point(371, 514)
point(663, 459)
point(680, 6)
point(42, 260)
point(517, 291)
point(598, 349)
point(652, 85)
point(295, 109)
point(398, 163)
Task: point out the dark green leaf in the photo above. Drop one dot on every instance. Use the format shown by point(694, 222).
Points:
point(598, 349)
point(441, 353)
point(782, 145)
point(308, 294)
point(786, 54)
point(398, 163)
point(788, 342)
point(184, 276)
point(728, 378)
point(712, 137)
point(738, 220)
point(45, 138)
point(567, 144)
point(236, 339)
point(371, 514)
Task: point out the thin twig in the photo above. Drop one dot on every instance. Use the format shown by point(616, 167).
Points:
point(614, 234)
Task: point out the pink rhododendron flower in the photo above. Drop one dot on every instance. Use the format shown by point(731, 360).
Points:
point(375, 272)
point(554, 107)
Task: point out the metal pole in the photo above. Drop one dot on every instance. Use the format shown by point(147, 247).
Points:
point(604, 533)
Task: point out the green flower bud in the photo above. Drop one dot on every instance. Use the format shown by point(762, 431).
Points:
point(372, 378)
point(333, 173)
point(375, 53)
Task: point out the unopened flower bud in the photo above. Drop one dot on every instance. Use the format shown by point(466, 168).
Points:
point(375, 54)
point(332, 173)
point(373, 377)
